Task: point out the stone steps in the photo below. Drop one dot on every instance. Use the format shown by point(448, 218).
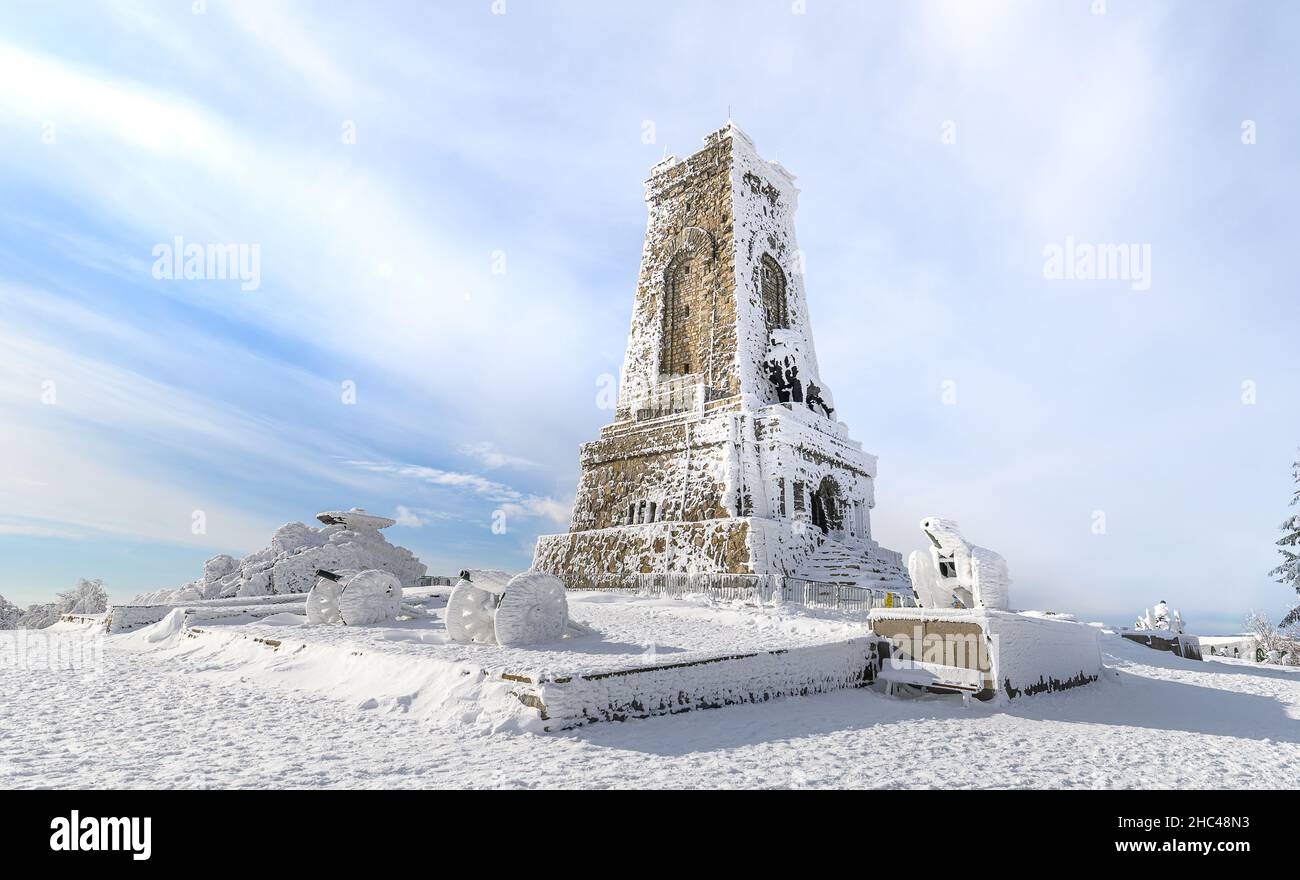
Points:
point(840, 563)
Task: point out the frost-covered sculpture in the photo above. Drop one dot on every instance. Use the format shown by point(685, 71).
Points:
point(349, 540)
point(954, 573)
point(354, 598)
point(488, 606)
point(1162, 619)
point(790, 375)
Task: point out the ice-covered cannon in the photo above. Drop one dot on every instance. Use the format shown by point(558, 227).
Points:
point(489, 606)
point(956, 573)
point(354, 598)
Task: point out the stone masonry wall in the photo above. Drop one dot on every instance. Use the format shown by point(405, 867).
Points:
point(651, 464)
point(720, 545)
point(690, 220)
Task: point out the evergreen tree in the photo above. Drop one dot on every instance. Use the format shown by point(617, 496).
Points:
point(1288, 572)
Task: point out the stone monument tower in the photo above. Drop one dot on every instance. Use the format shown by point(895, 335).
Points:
point(725, 453)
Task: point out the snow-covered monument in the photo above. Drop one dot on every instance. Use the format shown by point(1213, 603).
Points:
point(1164, 631)
point(725, 454)
point(954, 573)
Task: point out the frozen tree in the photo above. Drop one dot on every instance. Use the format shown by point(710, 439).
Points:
point(1292, 618)
point(88, 597)
point(39, 616)
point(1277, 644)
point(10, 614)
point(1288, 571)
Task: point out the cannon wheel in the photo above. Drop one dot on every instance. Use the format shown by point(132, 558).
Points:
point(469, 614)
point(534, 610)
point(323, 598)
point(370, 597)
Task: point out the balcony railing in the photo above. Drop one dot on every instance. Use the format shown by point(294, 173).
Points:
point(673, 396)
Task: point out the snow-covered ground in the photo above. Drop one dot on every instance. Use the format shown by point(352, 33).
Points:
point(158, 719)
point(625, 628)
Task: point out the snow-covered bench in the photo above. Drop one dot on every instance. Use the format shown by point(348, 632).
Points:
point(930, 675)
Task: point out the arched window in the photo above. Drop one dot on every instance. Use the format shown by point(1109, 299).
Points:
point(772, 282)
point(674, 346)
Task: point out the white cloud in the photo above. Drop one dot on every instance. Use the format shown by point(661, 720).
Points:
point(406, 518)
point(324, 216)
point(512, 501)
point(418, 517)
point(81, 103)
point(490, 457)
point(558, 512)
point(92, 487)
point(288, 37)
point(35, 531)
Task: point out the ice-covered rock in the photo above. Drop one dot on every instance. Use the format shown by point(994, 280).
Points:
point(218, 567)
point(348, 540)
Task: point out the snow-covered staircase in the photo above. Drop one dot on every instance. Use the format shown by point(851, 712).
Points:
point(834, 563)
point(856, 564)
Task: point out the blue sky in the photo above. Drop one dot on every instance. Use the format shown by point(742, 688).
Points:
point(479, 135)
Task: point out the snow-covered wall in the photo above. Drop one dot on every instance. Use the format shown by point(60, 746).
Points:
point(1035, 654)
point(126, 617)
point(764, 201)
point(668, 689)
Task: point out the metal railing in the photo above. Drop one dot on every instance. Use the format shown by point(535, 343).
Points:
point(748, 588)
point(672, 396)
point(845, 597)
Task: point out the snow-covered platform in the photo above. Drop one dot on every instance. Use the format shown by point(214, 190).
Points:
point(636, 657)
point(1180, 644)
point(991, 654)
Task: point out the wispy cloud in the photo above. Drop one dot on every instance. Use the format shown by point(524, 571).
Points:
point(512, 501)
point(418, 517)
point(35, 531)
point(489, 456)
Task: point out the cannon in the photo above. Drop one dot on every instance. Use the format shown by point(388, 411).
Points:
point(354, 598)
point(488, 606)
